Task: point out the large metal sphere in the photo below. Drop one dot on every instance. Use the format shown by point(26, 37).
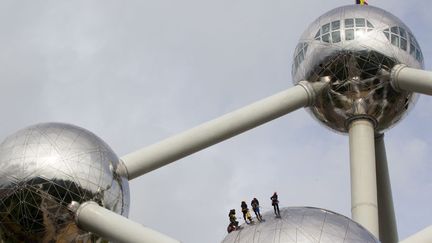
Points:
point(43, 169)
point(356, 46)
point(302, 225)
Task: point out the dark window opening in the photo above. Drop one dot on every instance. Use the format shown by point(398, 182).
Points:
point(349, 23)
point(349, 34)
point(360, 23)
point(335, 25)
point(336, 37)
point(403, 44)
point(395, 40)
point(326, 38)
point(325, 28)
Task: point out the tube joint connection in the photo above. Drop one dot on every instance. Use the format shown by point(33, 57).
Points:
point(361, 117)
point(122, 170)
point(77, 209)
point(394, 76)
point(313, 89)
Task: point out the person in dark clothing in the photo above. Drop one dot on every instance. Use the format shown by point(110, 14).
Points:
point(255, 207)
point(233, 221)
point(246, 213)
point(275, 204)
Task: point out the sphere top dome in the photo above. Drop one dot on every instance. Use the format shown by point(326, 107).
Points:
point(45, 168)
point(356, 46)
point(302, 225)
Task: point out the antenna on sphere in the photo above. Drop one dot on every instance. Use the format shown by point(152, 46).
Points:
point(361, 2)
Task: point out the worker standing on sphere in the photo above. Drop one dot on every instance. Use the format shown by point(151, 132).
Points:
point(246, 214)
point(255, 207)
point(234, 224)
point(275, 204)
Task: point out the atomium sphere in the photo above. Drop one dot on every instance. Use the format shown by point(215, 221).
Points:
point(43, 169)
point(302, 225)
point(356, 46)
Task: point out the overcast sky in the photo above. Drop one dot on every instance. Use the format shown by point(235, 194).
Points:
point(135, 72)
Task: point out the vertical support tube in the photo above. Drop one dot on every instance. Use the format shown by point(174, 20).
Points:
point(91, 217)
point(364, 205)
point(387, 220)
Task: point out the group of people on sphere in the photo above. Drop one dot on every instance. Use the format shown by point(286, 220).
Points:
point(234, 224)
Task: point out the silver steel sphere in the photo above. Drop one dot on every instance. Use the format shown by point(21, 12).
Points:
point(302, 225)
point(43, 169)
point(356, 46)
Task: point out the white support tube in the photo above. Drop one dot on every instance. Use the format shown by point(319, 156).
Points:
point(364, 205)
point(423, 236)
point(93, 218)
point(411, 79)
point(219, 129)
point(387, 220)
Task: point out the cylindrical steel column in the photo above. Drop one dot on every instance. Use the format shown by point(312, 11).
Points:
point(411, 79)
point(364, 205)
point(114, 227)
point(219, 129)
point(387, 220)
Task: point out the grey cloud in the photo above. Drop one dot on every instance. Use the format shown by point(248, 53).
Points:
point(136, 72)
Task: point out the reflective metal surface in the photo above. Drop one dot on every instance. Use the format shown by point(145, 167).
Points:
point(302, 225)
point(357, 46)
point(43, 169)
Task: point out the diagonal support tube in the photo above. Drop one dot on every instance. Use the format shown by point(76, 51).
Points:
point(387, 221)
point(220, 129)
point(411, 79)
point(91, 217)
point(423, 236)
point(364, 203)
